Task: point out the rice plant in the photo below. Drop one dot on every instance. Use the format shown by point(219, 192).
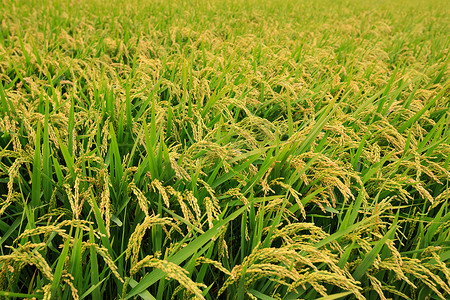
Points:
point(224, 149)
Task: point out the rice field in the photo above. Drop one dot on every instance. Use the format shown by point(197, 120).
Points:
point(278, 149)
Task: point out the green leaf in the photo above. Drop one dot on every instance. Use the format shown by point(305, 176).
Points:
point(184, 253)
point(370, 257)
point(335, 296)
point(36, 177)
point(60, 266)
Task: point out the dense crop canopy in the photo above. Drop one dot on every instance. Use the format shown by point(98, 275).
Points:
point(276, 149)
